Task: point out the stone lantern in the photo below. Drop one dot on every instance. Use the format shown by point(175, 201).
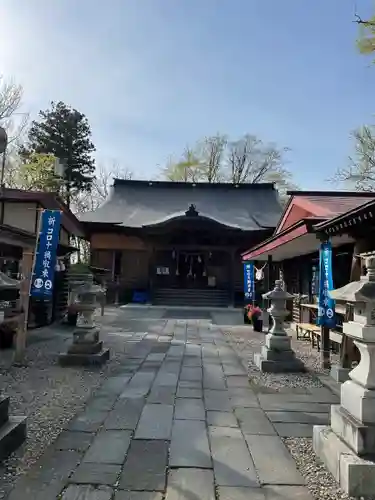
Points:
point(86, 348)
point(277, 354)
point(347, 446)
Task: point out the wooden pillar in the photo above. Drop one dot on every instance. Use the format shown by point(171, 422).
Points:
point(27, 269)
point(232, 279)
point(269, 287)
point(151, 272)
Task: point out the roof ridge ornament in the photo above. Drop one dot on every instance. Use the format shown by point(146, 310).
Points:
point(192, 211)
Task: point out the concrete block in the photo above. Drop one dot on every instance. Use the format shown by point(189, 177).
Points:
point(273, 355)
point(125, 415)
point(273, 462)
point(67, 359)
point(189, 445)
point(240, 493)
point(232, 462)
point(78, 441)
point(298, 417)
point(355, 475)
point(162, 395)
point(339, 374)
point(85, 348)
point(187, 392)
point(109, 447)
point(155, 422)
point(145, 467)
point(221, 419)
point(254, 421)
point(293, 366)
point(189, 409)
point(294, 430)
point(358, 401)
point(138, 495)
point(190, 484)
point(91, 473)
point(359, 437)
point(81, 492)
point(217, 400)
point(12, 435)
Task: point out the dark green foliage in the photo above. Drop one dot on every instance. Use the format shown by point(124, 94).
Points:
point(65, 133)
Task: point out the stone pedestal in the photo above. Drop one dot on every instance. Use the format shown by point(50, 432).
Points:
point(277, 355)
point(12, 430)
point(339, 374)
point(86, 348)
point(347, 446)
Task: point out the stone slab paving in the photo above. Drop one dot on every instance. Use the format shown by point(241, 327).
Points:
point(179, 421)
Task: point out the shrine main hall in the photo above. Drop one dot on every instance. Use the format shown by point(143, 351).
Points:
point(179, 243)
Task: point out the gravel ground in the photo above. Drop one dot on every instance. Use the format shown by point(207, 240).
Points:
point(246, 343)
point(49, 395)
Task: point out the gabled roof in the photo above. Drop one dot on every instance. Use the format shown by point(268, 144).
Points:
point(361, 215)
point(137, 204)
point(304, 213)
point(324, 204)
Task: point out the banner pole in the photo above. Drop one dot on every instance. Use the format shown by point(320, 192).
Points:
point(28, 265)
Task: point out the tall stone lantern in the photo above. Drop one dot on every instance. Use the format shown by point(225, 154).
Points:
point(277, 354)
point(347, 446)
point(86, 348)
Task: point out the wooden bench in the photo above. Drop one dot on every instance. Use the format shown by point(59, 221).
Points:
point(306, 330)
point(335, 338)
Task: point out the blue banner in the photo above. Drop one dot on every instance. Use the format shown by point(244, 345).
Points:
point(249, 283)
point(45, 260)
point(326, 311)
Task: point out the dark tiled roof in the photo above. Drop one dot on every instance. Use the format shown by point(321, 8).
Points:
point(136, 204)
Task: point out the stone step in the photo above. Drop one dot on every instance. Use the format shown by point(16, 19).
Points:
point(191, 297)
point(4, 410)
point(12, 435)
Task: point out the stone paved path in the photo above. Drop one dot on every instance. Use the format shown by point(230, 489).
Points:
point(178, 421)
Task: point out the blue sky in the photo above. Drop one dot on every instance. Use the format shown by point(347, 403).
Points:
point(155, 75)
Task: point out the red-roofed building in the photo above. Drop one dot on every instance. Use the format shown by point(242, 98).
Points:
point(294, 245)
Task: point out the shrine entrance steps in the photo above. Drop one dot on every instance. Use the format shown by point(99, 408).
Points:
point(192, 297)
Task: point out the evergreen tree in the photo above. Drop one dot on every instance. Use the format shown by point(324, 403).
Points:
point(65, 133)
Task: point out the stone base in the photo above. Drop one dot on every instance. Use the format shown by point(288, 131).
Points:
point(84, 359)
point(274, 355)
point(12, 435)
point(340, 374)
point(356, 476)
point(85, 348)
point(280, 365)
point(359, 437)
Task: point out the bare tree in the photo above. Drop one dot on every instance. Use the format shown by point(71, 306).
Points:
point(246, 160)
point(10, 102)
point(211, 152)
point(250, 160)
point(188, 169)
point(89, 201)
point(360, 174)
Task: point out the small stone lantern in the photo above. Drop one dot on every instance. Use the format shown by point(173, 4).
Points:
point(277, 354)
point(86, 348)
point(347, 446)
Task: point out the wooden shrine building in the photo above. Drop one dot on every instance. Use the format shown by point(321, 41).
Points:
point(293, 249)
point(179, 243)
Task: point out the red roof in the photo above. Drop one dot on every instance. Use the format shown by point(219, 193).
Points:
point(302, 208)
point(337, 205)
